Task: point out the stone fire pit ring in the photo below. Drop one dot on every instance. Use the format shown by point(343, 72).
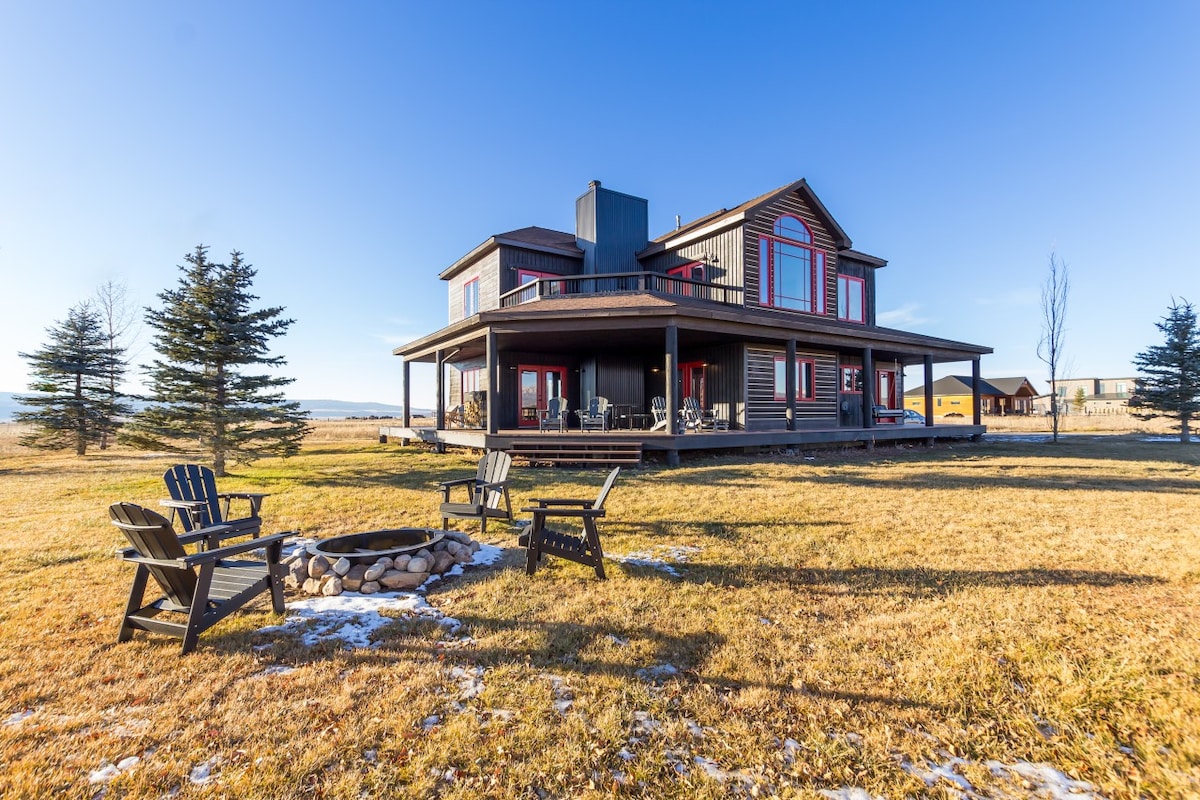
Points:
point(368, 548)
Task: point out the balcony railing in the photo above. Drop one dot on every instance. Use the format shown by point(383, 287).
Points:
point(618, 282)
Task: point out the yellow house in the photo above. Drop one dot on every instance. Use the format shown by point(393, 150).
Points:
point(952, 396)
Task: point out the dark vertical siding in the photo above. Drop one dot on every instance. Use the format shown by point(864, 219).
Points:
point(721, 254)
point(514, 258)
point(610, 228)
point(622, 380)
point(858, 269)
point(761, 224)
point(765, 413)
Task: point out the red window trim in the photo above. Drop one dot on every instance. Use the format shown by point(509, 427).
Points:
point(842, 380)
point(863, 310)
point(781, 394)
point(557, 287)
point(766, 275)
point(686, 271)
point(467, 293)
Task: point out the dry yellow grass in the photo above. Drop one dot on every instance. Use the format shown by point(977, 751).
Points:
point(839, 617)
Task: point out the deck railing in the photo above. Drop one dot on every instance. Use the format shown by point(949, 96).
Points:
point(618, 282)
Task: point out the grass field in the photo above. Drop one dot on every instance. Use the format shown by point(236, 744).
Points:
point(972, 620)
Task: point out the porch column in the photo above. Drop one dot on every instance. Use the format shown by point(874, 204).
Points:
point(868, 387)
point(493, 383)
point(928, 391)
point(975, 415)
point(440, 413)
point(405, 392)
point(789, 384)
point(671, 387)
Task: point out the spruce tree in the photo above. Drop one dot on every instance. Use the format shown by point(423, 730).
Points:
point(1169, 385)
point(75, 404)
point(202, 401)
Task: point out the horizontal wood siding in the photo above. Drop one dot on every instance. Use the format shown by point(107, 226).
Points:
point(765, 413)
point(487, 270)
point(721, 254)
point(762, 225)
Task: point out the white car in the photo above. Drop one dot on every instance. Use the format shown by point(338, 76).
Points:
point(913, 418)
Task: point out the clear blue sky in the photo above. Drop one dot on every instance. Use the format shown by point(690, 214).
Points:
point(352, 151)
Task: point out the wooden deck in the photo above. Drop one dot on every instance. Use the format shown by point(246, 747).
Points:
point(627, 447)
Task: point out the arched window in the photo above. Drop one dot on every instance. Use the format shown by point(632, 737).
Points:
point(791, 270)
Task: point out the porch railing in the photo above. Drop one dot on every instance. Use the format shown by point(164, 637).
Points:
point(617, 282)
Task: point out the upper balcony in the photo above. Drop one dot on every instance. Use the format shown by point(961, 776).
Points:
point(622, 282)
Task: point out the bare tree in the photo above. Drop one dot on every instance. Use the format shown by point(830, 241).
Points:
point(117, 317)
point(1054, 313)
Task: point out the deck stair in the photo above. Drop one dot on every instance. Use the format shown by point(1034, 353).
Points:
point(586, 451)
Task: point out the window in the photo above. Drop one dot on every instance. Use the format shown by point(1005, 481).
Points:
point(851, 379)
point(471, 297)
point(693, 271)
point(806, 379)
point(525, 276)
point(852, 299)
point(470, 383)
point(791, 270)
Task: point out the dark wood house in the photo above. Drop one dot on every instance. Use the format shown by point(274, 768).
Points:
point(764, 313)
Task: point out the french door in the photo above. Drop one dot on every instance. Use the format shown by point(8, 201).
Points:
point(537, 384)
point(691, 374)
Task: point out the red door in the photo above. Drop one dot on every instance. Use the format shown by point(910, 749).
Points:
point(536, 386)
point(885, 389)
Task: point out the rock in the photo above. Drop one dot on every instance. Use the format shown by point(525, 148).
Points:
point(369, 587)
point(352, 581)
point(374, 571)
point(441, 545)
point(341, 566)
point(297, 574)
point(332, 587)
point(465, 556)
point(457, 536)
point(401, 562)
point(318, 566)
point(442, 561)
point(424, 553)
point(395, 579)
point(474, 546)
point(312, 586)
point(452, 547)
point(418, 564)
point(386, 561)
point(293, 557)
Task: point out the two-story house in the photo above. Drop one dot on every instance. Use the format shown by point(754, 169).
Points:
point(765, 313)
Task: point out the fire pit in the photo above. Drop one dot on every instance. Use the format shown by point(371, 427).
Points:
point(368, 548)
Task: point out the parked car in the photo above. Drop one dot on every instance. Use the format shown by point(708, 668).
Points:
point(913, 418)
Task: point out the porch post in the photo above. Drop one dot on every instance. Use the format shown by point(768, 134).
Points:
point(928, 391)
point(975, 415)
point(868, 387)
point(440, 413)
point(789, 384)
point(405, 395)
point(493, 381)
point(671, 387)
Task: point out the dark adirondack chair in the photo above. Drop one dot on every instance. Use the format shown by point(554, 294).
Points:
point(198, 590)
point(193, 490)
point(554, 416)
point(584, 548)
point(595, 416)
point(658, 407)
point(484, 493)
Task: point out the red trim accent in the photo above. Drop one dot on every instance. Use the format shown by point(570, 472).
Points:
point(686, 370)
point(781, 391)
point(844, 291)
point(687, 271)
point(466, 293)
point(842, 380)
point(528, 415)
point(557, 287)
point(766, 272)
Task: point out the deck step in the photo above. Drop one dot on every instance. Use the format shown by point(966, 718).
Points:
point(586, 453)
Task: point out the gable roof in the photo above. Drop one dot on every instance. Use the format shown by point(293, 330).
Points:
point(730, 216)
point(1014, 387)
point(957, 384)
point(545, 240)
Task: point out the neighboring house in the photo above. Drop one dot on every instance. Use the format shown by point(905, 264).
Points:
point(953, 394)
point(763, 313)
point(1100, 396)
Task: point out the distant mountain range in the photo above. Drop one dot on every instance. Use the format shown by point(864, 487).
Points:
point(317, 409)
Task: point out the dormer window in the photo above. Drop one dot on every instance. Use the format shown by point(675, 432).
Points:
point(791, 270)
point(471, 298)
point(852, 299)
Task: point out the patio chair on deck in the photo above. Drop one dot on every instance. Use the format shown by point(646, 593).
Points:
point(696, 418)
point(193, 490)
point(595, 418)
point(583, 549)
point(203, 588)
point(554, 416)
point(658, 407)
point(484, 491)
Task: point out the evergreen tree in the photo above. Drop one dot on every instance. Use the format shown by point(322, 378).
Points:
point(201, 400)
point(1169, 385)
point(1080, 401)
point(75, 405)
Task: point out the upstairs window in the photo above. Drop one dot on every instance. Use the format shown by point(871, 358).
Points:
point(806, 379)
point(852, 299)
point(471, 297)
point(791, 270)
